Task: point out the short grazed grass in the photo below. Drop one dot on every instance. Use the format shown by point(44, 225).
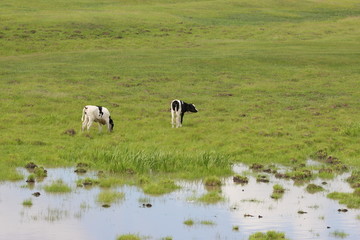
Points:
point(273, 81)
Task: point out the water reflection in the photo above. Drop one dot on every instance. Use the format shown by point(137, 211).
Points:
point(78, 215)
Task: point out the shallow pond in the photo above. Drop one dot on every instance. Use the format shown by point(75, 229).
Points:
point(77, 215)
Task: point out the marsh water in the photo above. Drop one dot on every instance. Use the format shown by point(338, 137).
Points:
point(247, 209)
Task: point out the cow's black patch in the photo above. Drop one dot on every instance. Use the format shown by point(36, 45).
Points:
point(100, 110)
point(175, 106)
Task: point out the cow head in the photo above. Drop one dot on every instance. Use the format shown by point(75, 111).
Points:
point(192, 108)
point(111, 122)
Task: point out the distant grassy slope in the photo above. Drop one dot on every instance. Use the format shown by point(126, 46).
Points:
point(273, 80)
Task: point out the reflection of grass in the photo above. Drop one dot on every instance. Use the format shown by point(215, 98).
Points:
point(144, 200)
point(207, 222)
point(107, 197)
point(339, 234)
point(57, 187)
point(191, 222)
point(167, 238)
point(54, 214)
point(253, 200)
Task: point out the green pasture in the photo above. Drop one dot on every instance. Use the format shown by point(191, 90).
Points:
point(273, 80)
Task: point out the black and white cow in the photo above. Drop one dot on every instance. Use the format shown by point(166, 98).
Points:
point(178, 109)
point(98, 114)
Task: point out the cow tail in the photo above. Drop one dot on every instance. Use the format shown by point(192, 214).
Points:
point(83, 114)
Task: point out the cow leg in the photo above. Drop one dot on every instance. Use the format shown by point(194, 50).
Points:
point(108, 126)
point(178, 119)
point(90, 122)
point(100, 127)
point(173, 118)
point(182, 117)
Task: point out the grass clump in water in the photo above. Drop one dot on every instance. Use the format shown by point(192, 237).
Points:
point(57, 187)
point(27, 203)
point(110, 182)
point(30, 178)
point(87, 182)
point(40, 172)
point(212, 181)
point(236, 228)
point(159, 188)
point(278, 191)
point(351, 200)
point(167, 238)
point(270, 235)
point(189, 222)
point(108, 197)
point(211, 197)
point(313, 188)
point(326, 174)
point(129, 237)
point(354, 179)
point(240, 179)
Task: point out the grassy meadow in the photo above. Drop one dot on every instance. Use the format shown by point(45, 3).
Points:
point(273, 80)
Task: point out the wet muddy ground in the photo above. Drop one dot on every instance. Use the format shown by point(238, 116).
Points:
point(247, 209)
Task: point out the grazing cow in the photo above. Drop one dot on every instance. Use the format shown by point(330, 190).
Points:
point(98, 114)
point(178, 108)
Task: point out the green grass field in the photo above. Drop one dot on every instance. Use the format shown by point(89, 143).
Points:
point(273, 80)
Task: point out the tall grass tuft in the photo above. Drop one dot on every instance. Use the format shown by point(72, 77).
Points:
point(119, 160)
